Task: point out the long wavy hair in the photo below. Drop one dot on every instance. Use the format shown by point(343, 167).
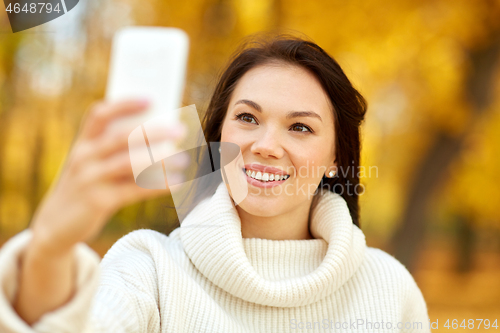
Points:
point(349, 105)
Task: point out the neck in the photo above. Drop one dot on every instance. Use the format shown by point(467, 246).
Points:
point(294, 225)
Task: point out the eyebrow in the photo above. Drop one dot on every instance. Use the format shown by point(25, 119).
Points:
point(290, 115)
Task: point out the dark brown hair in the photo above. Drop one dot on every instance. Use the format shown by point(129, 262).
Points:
point(349, 105)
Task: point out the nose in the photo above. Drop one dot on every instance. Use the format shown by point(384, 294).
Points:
point(268, 144)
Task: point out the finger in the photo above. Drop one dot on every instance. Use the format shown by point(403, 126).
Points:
point(128, 192)
point(115, 195)
point(119, 140)
point(81, 153)
point(104, 112)
point(119, 165)
point(98, 171)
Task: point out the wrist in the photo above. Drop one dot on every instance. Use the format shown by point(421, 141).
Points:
point(45, 281)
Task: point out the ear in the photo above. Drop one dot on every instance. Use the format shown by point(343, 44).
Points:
point(333, 165)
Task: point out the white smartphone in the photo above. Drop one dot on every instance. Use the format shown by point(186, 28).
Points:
point(148, 62)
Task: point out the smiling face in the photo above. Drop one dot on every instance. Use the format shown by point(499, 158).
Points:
point(280, 117)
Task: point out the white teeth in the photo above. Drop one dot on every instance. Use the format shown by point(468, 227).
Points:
point(265, 177)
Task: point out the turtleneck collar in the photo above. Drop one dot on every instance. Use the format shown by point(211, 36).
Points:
point(280, 273)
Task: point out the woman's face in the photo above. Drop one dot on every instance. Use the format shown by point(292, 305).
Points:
point(280, 117)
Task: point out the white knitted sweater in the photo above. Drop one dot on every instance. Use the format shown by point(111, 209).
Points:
point(204, 277)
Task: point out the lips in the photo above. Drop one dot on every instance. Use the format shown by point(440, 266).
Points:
point(261, 183)
point(264, 176)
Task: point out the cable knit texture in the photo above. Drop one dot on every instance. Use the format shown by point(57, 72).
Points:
point(204, 277)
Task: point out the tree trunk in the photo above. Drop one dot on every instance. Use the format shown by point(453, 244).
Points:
point(434, 167)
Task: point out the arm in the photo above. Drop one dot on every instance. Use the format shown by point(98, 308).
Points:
point(72, 314)
point(77, 208)
point(46, 280)
point(96, 181)
point(121, 299)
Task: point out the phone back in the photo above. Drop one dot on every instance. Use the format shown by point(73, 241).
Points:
point(149, 62)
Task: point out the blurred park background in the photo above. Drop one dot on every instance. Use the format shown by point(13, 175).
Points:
point(430, 71)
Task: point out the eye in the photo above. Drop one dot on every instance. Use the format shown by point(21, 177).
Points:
point(299, 127)
point(246, 117)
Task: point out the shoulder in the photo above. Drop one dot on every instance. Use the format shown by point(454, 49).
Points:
point(142, 250)
point(390, 278)
point(381, 266)
point(377, 260)
point(144, 240)
point(388, 274)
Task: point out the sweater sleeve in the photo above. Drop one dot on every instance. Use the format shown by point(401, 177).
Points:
point(110, 298)
point(64, 319)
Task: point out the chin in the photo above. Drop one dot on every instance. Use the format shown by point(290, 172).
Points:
point(259, 211)
point(263, 206)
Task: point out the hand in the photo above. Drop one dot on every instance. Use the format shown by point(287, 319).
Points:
point(96, 181)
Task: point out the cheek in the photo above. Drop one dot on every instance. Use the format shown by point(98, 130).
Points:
point(227, 133)
point(232, 134)
point(310, 165)
point(224, 134)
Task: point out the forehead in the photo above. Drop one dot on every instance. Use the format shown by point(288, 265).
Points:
point(283, 87)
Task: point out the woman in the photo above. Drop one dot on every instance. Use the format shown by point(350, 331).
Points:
point(288, 257)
